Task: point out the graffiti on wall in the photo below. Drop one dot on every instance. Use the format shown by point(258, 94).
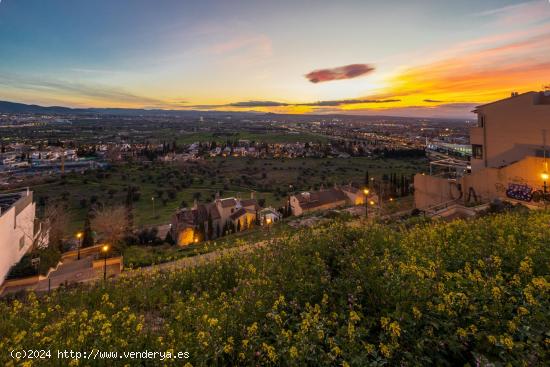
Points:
point(519, 192)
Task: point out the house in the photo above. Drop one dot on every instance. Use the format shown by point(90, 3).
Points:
point(509, 157)
point(269, 215)
point(18, 229)
point(211, 220)
point(325, 199)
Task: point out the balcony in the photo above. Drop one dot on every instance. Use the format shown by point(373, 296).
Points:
point(476, 135)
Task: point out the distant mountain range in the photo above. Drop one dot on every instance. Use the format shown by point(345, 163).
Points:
point(12, 107)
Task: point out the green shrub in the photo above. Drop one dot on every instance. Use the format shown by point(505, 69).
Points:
point(460, 293)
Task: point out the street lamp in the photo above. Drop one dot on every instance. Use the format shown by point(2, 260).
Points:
point(544, 175)
point(105, 250)
point(79, 236)
point(153, 200)
point(366, 192)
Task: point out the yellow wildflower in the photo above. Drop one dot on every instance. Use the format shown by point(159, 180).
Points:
point(293, 352)
point(270, 350)
point(522, 311)
point(507, 342)
point(496, 293)
point(395, 329)
point(385, 350)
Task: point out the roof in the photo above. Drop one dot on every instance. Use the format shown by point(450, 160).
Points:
point(227, 203)
point(240, 212)
point(319, 198)
point(7, 200)
point(19, 200)
point(538, 98)
point(192, 217)
point(250, 202)
point(352, 189)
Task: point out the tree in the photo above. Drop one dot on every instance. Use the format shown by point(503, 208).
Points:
point(129, 211)
point(169, 239)
point(210, 226)
point(111, 223)
point(87, 237)
point(57, 220)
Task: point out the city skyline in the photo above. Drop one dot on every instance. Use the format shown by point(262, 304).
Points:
point(426, 59)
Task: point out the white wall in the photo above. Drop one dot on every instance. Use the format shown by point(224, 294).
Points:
point(12, 229)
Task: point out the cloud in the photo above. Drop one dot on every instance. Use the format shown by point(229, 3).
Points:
point(257, 104)
point(73, 91)
point(530, 12)
point(330, 103)
point(346, 102)
point(339, 73)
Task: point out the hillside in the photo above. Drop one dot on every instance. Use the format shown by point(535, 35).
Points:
point(337, 295)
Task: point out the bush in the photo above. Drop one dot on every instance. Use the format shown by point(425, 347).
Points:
point(461, 293)
point(49, 257)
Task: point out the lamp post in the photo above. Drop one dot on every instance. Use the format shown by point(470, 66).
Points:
point(153, 200)
point(544, 175)
point(268, 222)
point(79, 236)
point(366, 192)
point(105, 250)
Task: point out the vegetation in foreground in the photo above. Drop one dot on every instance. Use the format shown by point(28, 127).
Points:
point(460, 293)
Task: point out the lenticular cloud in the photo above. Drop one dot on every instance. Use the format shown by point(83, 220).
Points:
point(339, 73)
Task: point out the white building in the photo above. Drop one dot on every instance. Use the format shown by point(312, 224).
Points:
point(17, 229)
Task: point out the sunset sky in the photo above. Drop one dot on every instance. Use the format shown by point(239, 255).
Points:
point(416, 58)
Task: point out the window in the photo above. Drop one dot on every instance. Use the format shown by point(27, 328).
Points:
point(477, 151)
point(481, 121)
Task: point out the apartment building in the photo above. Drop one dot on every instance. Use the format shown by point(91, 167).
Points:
point(18, 230)
point(510, 129)
point(509, 157)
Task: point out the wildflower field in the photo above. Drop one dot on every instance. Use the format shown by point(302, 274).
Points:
point(460, 293)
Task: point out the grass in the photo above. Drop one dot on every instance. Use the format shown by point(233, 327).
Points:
point(139, 256)
point(461, 293)
point(269, 178)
